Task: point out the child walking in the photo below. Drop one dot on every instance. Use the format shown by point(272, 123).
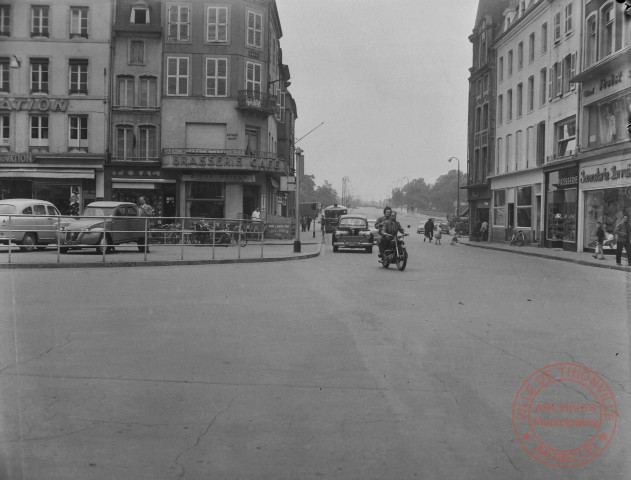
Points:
point(438, 235)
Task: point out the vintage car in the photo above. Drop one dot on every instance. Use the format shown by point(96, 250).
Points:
point(102, 225)
point(31, 222)
point(352, 231)
point(444, 227)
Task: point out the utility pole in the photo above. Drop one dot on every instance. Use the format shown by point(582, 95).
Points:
point(300, 163)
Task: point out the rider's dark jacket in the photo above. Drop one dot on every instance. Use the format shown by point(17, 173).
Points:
point(391, 227)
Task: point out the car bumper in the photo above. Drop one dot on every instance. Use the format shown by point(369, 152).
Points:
point(71, 239)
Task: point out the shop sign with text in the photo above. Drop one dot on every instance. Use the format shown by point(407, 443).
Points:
point(34, 104)
point(207, 177)
point(16, 158)
point(222, 162)
point(137, 173)
point(613, 173)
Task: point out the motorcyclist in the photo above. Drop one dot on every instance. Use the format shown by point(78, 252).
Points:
point(389, 229)
point(387, 212)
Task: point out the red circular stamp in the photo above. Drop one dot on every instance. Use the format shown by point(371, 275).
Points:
point(564, 415)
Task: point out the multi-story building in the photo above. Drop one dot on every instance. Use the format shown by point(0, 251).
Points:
point(482, 108)
point(134, 166)
point(54, 88)
point(535, 151)
point(604, 172)
point(223, 107)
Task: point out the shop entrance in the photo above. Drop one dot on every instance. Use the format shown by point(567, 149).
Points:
point(251, 195)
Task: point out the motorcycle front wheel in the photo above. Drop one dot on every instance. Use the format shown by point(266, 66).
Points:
point(402, 260)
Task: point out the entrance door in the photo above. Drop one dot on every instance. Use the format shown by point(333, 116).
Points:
point(251, 194)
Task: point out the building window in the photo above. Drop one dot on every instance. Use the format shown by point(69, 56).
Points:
point(519, 147)
point(177, 76)
point(607, 31)
point(531, 48)
point(478, 123)
point(509, 153)
point(39, 21)
point(125, 91)
point(5, 84)
point(566, 138)
point(509, 105)
point(217, 24)
point(39, 75)
point(499, 166)
point(544, 38)
point(510, 63)
point(531, 94)
point(147, 143)
point(79, 22)
point(485, 116)
point(483, 44)
point(485, 84)
point(524, 207)
point(499, 208)
point(139, 15)
point(136, 52)
point(520, 97)
point(253, 77)
point(254, 30)
point(542, 86)
point(626, 23)
point(569, 70)
point(125, 142)
point(606, 121)
point(147, 92)
point(78, 133)
point(500, 109)
point(216, 77)
point(78, 76)
point(500, 70)
point(179, 27)
point(39, 132)
point(5, 132)
point(557, 27)
point(280, 107)
point(520, 55)
point(591, 41)
point(5, 20)
point(568, 19)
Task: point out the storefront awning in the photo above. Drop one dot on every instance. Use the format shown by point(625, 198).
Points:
point(44, 173)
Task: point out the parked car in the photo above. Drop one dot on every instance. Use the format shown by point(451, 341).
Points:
point(444, 227)
point(374, 230)
point(352, 231)
point(102, 225)
point(34, 226)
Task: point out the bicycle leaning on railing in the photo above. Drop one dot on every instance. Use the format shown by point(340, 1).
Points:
point(517, 238)
point(206, 233)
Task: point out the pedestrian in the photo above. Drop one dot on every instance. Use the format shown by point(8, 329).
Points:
point(438, 235)
point(622, 240)
point(484, 228)
point(73, 208)
point(146, 210)
point(303, 224)
point(429, 230)
point(454, 240)
point(309, 224)
point(256, 214)
point(600, 239)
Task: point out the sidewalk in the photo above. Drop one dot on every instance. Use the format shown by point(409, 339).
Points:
point(161, 255)
point(581, 258)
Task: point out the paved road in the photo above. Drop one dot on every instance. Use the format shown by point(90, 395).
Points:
point(325, 368)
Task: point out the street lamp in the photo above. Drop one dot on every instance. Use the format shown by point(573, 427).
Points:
point(299, 164)
point(458, 193)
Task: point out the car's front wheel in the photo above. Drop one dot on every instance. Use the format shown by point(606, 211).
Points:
point(368, 249)
point(104, 245)
point(335, 248)
point(28, 242)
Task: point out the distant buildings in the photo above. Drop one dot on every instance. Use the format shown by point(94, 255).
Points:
point(185, 103)
point(562, 100)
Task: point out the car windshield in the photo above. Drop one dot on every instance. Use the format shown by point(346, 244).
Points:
point(352, 222)
point(98, 212)
point(7, 209)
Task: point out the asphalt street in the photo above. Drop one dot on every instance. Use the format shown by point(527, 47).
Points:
point(330, 367)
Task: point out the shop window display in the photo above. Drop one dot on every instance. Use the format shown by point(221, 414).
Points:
point(607, 121)
point(606, 206)
point(524, 207)
point(499, 208)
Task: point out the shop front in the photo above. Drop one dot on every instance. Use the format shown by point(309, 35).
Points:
point(70, 184)
point(214, 185)
point(128, 184)
point(561, 211)
point(605, 189)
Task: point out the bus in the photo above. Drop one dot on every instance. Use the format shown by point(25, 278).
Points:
point(331, 216)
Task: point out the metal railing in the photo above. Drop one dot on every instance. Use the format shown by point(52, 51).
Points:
point(183, 238)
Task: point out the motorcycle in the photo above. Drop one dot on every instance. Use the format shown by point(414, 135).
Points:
point(396, 253)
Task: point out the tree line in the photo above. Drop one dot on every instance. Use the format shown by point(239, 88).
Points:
point(415, 195)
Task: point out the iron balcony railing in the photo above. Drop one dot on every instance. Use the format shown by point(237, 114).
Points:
point(257, 101)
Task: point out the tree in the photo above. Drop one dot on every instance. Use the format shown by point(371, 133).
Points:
point(326, 194)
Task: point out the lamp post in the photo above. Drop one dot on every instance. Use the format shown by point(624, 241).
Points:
point(299, 168)
point(458, 192)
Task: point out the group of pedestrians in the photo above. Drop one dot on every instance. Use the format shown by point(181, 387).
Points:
point(430, 235)
point(305, 223)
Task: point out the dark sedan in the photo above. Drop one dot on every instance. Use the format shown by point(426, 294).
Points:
point(353, 232)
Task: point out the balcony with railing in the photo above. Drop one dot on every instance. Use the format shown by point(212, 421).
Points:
point(257, 102)
point(224, 152)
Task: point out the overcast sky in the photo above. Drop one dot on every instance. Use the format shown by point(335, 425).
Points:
point(389, 80)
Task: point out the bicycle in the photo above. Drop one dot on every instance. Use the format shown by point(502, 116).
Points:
point(517, 238)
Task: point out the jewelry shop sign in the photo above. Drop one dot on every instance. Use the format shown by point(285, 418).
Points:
point(222, 162)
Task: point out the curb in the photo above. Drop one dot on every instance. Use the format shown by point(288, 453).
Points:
point(550, 257)
point(156, 263)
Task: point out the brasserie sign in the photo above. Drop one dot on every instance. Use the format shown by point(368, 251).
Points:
point(222, 162)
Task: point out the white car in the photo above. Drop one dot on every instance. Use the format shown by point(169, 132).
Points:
point(31, 223)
